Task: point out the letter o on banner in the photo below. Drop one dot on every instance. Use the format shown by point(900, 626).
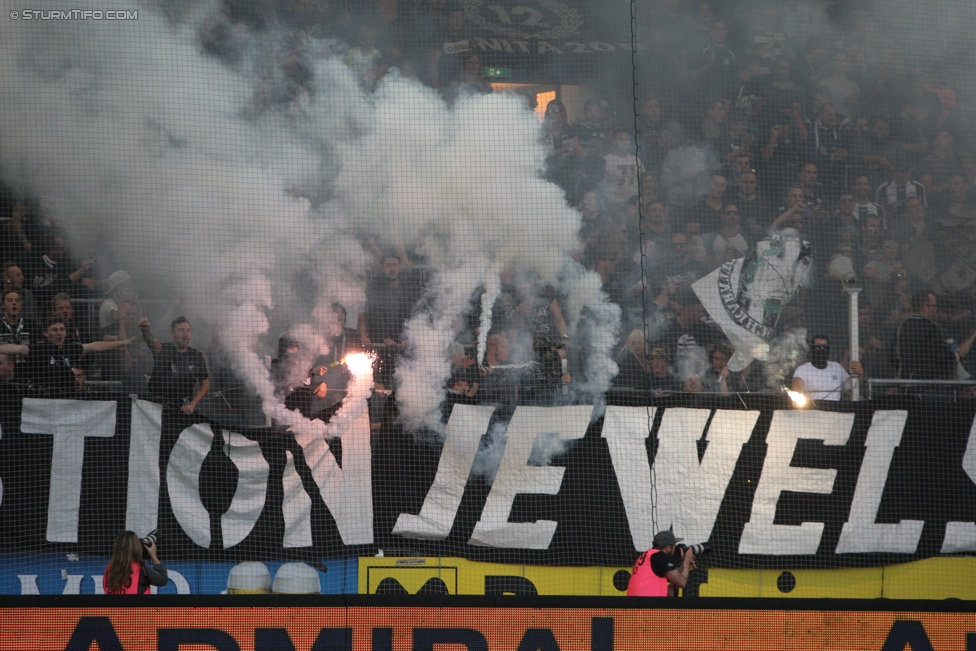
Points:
point(183, 483)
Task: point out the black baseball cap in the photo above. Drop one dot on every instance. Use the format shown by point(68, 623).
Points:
point(664, 539)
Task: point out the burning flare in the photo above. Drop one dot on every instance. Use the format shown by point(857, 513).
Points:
point(798, 398)
point(359, 364)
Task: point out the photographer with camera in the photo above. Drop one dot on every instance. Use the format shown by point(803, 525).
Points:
point(127, 572)
point(655, 573)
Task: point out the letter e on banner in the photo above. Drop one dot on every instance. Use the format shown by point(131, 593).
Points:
point(515, 476)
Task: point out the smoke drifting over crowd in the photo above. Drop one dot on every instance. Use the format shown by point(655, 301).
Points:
point(157, 160)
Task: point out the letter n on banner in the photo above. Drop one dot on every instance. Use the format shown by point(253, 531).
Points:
point(347, 491)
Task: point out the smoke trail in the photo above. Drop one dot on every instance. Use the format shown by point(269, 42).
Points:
point(691, 360)
point(545, 448)
point(493, 289)
point(463, 199)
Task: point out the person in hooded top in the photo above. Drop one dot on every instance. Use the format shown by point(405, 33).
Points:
point(820, 378)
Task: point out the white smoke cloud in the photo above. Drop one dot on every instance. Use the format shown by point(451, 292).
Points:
point(785, 354)
point(691, 360)
point(162, 162)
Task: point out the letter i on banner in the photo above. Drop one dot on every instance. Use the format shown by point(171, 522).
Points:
point(142, 494)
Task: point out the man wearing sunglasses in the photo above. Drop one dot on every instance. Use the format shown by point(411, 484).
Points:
point(820, 378)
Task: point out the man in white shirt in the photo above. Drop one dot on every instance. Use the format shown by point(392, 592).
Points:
point(623, 169)
point(820, 378)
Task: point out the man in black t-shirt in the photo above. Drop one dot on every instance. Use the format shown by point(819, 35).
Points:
point(448, 49)
point(62, 308)
point(49, 277)
point(687, 329)
point(179, 377)
point(390, 299)
point(53, 364)
point(920, 350)
point(743, 90)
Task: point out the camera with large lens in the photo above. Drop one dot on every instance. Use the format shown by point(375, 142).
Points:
point(149, 541)
point(699, 549)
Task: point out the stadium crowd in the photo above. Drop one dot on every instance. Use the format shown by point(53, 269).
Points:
point(753, 122)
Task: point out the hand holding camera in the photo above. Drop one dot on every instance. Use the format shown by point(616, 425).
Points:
point(149, 545)
point(685, 554)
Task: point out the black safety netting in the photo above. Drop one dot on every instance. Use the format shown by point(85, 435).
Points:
point(320, 281)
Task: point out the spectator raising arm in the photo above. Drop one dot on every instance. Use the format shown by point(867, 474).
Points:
point(102, 346)
point(14, 349)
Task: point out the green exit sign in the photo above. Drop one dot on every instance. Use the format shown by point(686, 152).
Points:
point(496, 72)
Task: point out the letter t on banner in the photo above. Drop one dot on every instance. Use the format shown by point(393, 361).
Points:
point(69, 422)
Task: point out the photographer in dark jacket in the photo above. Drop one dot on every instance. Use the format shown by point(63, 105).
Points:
point(921, 352)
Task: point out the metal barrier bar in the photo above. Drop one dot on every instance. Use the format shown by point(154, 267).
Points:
point(918, 383)
point(99, 301)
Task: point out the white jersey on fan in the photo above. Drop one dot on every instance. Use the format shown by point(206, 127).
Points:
point(823, 383)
